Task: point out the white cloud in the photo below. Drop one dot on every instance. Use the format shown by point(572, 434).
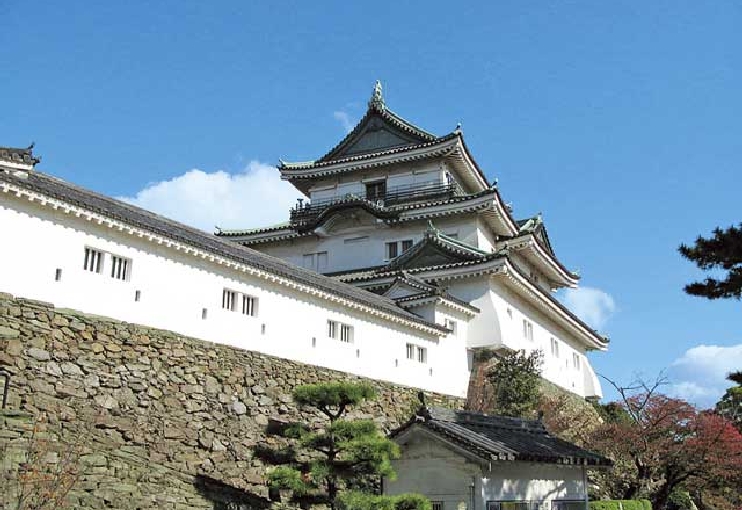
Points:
point(344, 119)
point(699, 375)
point(592, 305)
point(255, 197)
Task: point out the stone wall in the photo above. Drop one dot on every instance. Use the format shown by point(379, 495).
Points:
point(159, 420)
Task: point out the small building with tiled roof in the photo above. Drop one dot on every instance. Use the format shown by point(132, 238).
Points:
point(393, 198)
point(489, 463)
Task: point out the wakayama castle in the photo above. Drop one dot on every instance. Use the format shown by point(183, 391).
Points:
point(401, 260)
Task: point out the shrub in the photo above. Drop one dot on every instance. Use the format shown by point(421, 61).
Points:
point(621, 504)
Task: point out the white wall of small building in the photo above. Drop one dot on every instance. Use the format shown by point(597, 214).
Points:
point(446, 474)
point(175, 288)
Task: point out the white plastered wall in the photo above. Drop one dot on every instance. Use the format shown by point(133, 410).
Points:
point(175, 288)
point(444, 473)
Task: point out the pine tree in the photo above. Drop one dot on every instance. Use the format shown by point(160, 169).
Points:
point(723, 252)
point(516, 381)
point(341, 464)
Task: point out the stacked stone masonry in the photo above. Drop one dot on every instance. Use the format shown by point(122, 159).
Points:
point(159, 420)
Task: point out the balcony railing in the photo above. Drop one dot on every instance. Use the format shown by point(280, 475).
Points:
point(304, 214)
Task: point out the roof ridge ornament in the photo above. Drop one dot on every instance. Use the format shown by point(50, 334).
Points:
point(377, 98)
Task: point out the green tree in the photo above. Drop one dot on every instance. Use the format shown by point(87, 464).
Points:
point(730, 405)
point(722, 252)
point(341, 464)
point(516, 382)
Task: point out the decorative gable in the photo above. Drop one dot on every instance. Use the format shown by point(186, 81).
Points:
point(373, 134)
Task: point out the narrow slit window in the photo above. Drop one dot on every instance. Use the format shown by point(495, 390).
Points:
point(204, 313)
point(528, 330)
point(58, 275)
point(410, 351)
point(138, 295)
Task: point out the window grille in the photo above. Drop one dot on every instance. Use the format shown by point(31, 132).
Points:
point(410, 351)
point(528, 330)
point(391, 250)
point(120, 267)
point(249, 305)
point(513, 505)
point(554, 347)
point(437, 505)
point(451, 324)
point(576, 361)
point(229, 299)
point(422, 355)
point(332, 329)
point(58, 275)
point(93, 260)
point(406, 245)
point(346, 333)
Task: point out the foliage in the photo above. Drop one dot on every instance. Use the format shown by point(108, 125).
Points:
point(730, 405)
point(516, 380)
point(662, 444)
point(37, 473)
point(361, 501)
point(340, 463)
point(624, 504)
point(722, 252)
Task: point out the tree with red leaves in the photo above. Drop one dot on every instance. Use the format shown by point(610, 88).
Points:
point(662, 444)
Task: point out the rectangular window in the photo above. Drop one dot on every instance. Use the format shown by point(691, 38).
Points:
point(332, 329)
point(437, 505)
point(229, 300)
point(410, 351)
point(554, 347)
point(346, 333)
point(528, 330)
point(58, 275)
point(514, 505)
point(451, 324)
point(249, 305)
point(406, 245)
point(120, 267)
point(575, 361)
point(422, 355)
point(375, 190)
point(391, 250)
point(93, 261)
point(315, 261)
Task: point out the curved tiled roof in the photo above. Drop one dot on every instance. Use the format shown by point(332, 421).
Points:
point(55, 188)
point(501, 437)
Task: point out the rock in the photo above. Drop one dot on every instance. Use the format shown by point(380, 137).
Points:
point(6, 332)
point(94, 460)
point(110, 347)
point(39, 354)
point(257, 389)
point(71, 369)
point(53, 369)
point(261, 420)
point(97, 348)
point(106, 401)
point(239, 408)
point(217, 446)
point(91, 381)
point(14, 347)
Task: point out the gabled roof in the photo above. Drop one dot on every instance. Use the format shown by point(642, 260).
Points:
point(60, 194)
point(378, 118)
point(498, 438)
point(436, 248)
point(382, 137)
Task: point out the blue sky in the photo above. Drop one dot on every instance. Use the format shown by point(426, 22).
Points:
point(620, 121)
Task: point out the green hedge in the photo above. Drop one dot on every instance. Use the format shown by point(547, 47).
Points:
point(621, 504)
point(360, 501)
